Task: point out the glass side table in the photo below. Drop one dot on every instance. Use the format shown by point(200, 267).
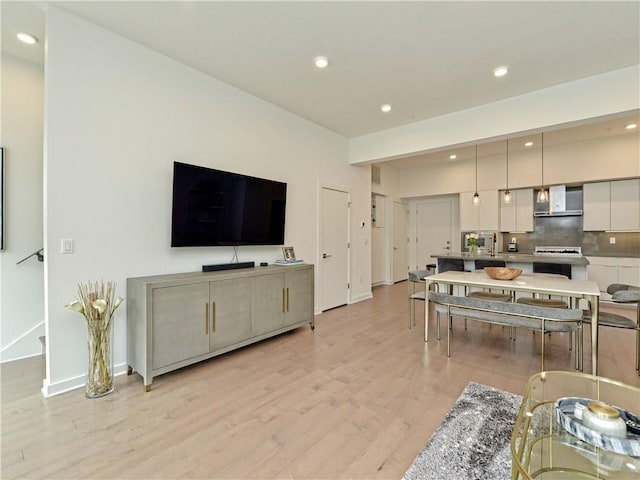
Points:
point(542, 449)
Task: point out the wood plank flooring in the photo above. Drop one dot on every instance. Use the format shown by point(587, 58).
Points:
point(357, 398)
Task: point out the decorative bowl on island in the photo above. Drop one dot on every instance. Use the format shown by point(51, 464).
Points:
point(502, 273)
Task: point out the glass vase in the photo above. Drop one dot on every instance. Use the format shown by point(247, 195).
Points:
point(473, 249)
point(100, 360)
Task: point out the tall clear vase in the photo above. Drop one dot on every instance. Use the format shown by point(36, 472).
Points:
point(100, 359)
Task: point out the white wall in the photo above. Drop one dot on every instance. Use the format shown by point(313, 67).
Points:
point(22, 286)
point(117, 115)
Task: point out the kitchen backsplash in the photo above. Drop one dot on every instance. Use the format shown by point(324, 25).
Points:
point(567, 231)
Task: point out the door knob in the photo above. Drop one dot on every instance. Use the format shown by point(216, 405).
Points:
point(324, 255)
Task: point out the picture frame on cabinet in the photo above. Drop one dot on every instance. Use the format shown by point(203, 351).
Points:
point(288, 254)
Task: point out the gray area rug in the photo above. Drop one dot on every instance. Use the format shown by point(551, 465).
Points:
point(472, 443)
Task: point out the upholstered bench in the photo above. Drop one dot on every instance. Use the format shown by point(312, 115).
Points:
point(542, 319)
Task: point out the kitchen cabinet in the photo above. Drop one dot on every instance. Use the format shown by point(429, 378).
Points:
point(483, 217)
point(607, 270)
point(625, 205)
point(517, 216)
point(179, 319)
point(612, 205)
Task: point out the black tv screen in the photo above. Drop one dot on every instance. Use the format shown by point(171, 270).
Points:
point(213, 208)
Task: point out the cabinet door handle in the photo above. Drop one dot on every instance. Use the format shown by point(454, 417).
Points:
point(213, 320)
point(206, 318)
point(287, 299)
point(283, 300)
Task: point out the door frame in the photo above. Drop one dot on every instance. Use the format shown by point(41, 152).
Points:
point(344, 189)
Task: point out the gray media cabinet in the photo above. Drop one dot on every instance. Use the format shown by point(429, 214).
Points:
point(180, 319)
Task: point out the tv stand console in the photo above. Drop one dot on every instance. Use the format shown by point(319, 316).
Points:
point(180, 319)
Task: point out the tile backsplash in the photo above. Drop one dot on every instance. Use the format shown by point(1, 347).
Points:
point(567, 231)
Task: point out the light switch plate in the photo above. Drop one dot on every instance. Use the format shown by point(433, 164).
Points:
point(612, 240)
point(66, 245)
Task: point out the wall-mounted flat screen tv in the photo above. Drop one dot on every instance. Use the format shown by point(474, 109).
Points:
point(214, 208)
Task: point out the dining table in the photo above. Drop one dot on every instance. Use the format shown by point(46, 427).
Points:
point(530, 284)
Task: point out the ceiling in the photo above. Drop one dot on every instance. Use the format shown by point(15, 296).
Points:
point(426, 59)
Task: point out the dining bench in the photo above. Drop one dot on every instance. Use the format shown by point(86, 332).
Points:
point(542, 319)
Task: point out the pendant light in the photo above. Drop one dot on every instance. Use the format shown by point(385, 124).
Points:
point(476, 196)
point(543, 195)
point(507, 192)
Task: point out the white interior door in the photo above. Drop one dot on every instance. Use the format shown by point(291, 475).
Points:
point(433, 231)
point(334, 250)
point(400, 241)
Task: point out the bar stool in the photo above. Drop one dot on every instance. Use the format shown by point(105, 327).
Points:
point(489, 295)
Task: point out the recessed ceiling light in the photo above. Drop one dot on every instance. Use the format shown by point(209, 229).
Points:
point(631, 126)
point(321, 62)
point(500, 71)
point(528, 144)
point(26, 38)
point(453, 156)
point(386, 108)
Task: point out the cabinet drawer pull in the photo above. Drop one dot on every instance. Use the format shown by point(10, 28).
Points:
point(213, 320)
point(206, 318)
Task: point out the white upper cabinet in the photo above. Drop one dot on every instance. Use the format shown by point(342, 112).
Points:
point(597, 206)
point(625, 205)
point(483, 217)
point(468, 212)
point(612, 205)
point(489, 211)
point(517, 216)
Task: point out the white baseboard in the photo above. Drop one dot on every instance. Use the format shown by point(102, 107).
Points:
point(24, 346)
point(58, 388)
point(360, 298)
point(22, 358)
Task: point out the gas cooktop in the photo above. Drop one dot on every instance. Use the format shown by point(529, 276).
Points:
point(559, 251)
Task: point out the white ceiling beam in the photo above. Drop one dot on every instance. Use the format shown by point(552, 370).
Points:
point(566, 104)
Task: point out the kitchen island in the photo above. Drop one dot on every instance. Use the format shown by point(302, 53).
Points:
point(523, 261)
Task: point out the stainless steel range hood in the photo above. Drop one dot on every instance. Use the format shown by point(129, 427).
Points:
point(563, 202)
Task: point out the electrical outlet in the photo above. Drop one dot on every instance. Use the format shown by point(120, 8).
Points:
point(612, 240)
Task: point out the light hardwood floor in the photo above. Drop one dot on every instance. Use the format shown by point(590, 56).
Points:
point(357, 398)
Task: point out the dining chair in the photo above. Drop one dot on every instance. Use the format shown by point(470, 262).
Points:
point(416, 286)
point(623, 294)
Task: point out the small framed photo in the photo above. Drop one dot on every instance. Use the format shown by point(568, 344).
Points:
point(288, 254)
